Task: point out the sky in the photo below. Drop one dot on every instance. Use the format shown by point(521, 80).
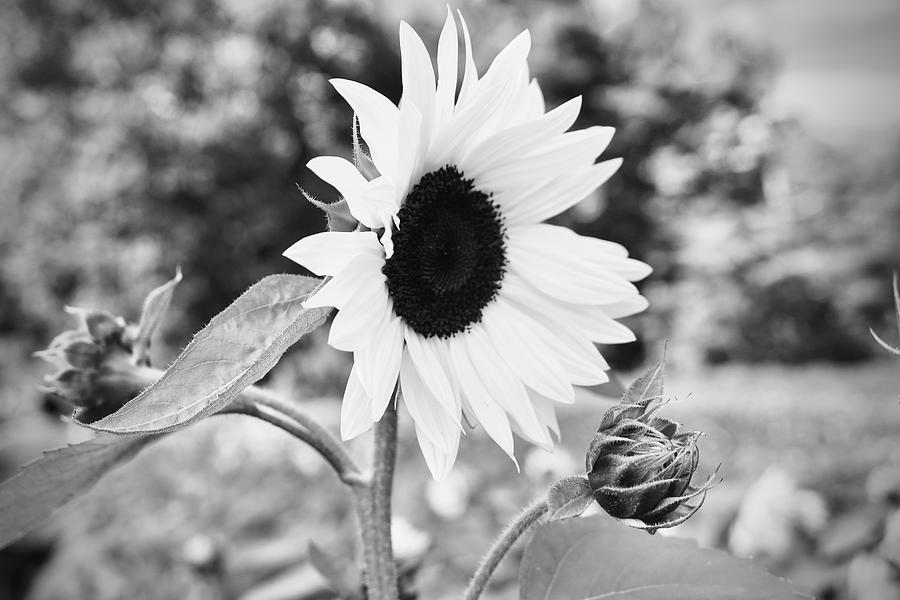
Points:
point(840, 60)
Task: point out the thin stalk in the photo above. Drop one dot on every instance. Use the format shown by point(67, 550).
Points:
point(262, 404)
point(502, 546)
point(269, 407)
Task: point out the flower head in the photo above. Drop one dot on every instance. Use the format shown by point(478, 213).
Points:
point(452, 285)
point(640, 467)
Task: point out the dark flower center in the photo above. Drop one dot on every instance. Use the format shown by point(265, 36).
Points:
point(449, 254)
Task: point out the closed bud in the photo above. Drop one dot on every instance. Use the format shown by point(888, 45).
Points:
point(640, 467)
point(95, 374)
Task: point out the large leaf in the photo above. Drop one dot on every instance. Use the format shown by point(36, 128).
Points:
point(42, 487)
point(238, 347)
point(596, 558)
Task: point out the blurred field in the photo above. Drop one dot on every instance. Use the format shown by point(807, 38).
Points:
point(247, 493)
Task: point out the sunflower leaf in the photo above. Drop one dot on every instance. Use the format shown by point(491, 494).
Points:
point(569, 498)
point(44, 486)
point(597, 557)
point(236, 348)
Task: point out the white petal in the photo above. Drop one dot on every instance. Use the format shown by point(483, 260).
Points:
point(412, 149)
point(580, 320)
point(467, 122)
point(552, 198)
point(546, 412)
point(627, 307)
point(470, 75)
point(525, 352)
point(432, 418)
point(504, 386)
point(439, 461)
point(378, 118)
point(491, 416)
point(328, 252)
point(597, 257)
point(339, 173)
point(356, 324)
point(338, 290)
point(355, 408)
point(511, 144)
point(560, 273)
point(418, 77)
point(375, 203)
point(569, 151)
point(581, 360)
point(380, 364)
point(447, 60)
point(534, 105)
point(508, 61)
point(427, 360)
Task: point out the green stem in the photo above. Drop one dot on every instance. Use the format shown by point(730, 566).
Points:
point(502, 546)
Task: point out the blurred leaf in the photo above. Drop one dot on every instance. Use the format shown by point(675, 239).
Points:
point(569, 498)
point(42, 487)
point(871, 577)
point(596, 557)
point(342, 574)
point(851, 533)
point(238, 347)
point(155, 306)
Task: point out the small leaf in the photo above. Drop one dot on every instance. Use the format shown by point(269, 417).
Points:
point(342, 574)
point(238, 347)
point(337, 213)
point(593, 558)
point(569, 498)
point(648, 387)
point(42, 487)
point(155, 306)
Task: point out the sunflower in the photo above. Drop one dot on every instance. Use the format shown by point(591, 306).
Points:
point(452, 286)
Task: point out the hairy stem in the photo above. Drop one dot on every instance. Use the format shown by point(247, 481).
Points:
point(380, 560)
point(502, 546)
point(269, 407)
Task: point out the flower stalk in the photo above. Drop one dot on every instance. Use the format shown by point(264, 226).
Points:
point(501, 547)
point(381, 568)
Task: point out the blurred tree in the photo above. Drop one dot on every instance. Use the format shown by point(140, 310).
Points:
point(137, 136)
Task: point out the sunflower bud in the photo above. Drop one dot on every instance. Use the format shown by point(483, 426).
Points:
point(640, 467)
point(103, 363)
point(93, 366)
